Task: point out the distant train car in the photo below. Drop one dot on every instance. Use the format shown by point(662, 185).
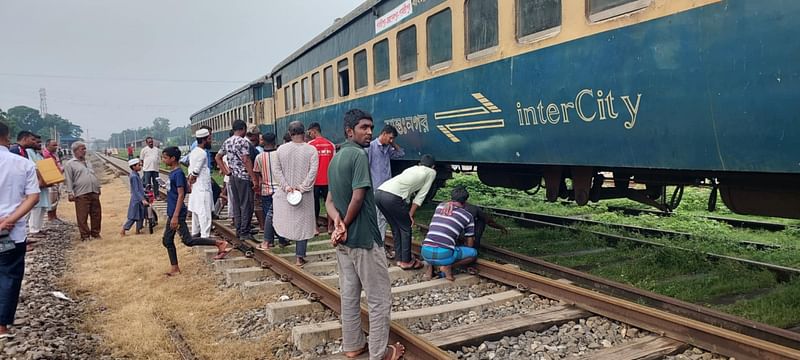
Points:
point(251, 103)
point(657, 92)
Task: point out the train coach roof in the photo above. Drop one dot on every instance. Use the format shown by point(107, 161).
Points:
point(260, 81)
point(338, 25)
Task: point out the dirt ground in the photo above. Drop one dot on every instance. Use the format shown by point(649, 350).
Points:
point(136, 304)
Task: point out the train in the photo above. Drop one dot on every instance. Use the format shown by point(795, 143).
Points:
point(589, 99)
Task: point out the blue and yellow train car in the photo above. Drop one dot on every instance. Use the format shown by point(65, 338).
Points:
point(657, 92)
point(251, 103)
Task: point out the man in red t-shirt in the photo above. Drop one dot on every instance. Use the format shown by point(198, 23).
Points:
point(326, 150)
point(130, 151)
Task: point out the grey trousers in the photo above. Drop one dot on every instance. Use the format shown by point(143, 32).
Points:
point(364, 269)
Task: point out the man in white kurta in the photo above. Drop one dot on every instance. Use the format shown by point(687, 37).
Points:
point(201, 201)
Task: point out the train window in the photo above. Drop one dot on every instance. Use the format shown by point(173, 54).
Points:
point(328, 82)
point(295, 94)
point(604, 9)
point(537, 18)
point(407, 52)
point(361, 70)
point(287, 98)
point(440, 39)
point(344, 77)
point(380, 60)
point(315, 87)
point(306, 92)
point(481, 22)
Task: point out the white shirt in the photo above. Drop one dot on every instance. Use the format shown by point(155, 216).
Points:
point(198, 166)
point(18, 180)
point(151, 157)
point(416, 179)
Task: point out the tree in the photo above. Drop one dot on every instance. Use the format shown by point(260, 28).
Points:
point(160, 129)
point(26, 118)
point(4, 118)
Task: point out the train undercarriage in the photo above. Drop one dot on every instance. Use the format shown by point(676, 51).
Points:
point(763, 194)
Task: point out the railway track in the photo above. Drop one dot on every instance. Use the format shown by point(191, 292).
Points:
point(784, 273)
point(511, 307)
point(735, 222)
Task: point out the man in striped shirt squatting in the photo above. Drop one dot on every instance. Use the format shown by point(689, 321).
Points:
point(439, 247)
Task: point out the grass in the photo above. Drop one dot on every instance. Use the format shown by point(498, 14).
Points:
point(707, 235)
point(780, 307)
point(133, 301)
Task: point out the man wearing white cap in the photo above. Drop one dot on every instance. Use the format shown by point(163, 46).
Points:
point(201, 201)
point(136, 207)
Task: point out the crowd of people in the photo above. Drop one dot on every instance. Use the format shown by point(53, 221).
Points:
point(284, 186)
point(29, 197)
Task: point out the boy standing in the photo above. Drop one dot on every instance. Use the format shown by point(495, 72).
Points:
point(176, 214)
point(136, 207)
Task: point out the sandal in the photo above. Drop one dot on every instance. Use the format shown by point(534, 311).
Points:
point(416, 265)
point(263, 246)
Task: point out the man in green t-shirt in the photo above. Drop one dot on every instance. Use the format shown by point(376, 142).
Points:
point(359, 244)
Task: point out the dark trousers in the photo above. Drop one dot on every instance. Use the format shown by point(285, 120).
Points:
point(269, 230)
point(186, 238)
point(243, 204)
point(395, 209)
point(12, 269)
point(320, 193)
point(86, 206)
point(151, 178)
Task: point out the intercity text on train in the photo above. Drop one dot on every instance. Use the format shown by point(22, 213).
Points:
point(589, 105)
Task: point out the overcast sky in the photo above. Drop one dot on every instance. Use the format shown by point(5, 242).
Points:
point(108, 65)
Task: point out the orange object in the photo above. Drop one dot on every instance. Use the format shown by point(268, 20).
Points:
point(49, 172)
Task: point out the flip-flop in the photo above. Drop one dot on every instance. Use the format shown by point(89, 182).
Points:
point(398, 351)
point(417, 265)
point(169, 274)
point(357, 353)
point(7, 336)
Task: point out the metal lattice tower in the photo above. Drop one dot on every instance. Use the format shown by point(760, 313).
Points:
point(43, 111)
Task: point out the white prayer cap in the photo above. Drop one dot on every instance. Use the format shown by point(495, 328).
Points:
point(201, 133)
point(132, 162)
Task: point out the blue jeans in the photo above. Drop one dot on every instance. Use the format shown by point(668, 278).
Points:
point(12, 269)
point(269, 230)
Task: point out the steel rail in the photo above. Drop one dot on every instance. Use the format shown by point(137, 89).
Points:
point(416, 348)
point(680, 328)
point(706, 336)
point(678, 307)
point(784, 273)
point(738, 223)
point(693, 311)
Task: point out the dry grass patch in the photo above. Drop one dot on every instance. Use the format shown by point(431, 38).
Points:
point(135, 302)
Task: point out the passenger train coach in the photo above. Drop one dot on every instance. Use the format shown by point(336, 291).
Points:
point(657, 92)
point(251, 103)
